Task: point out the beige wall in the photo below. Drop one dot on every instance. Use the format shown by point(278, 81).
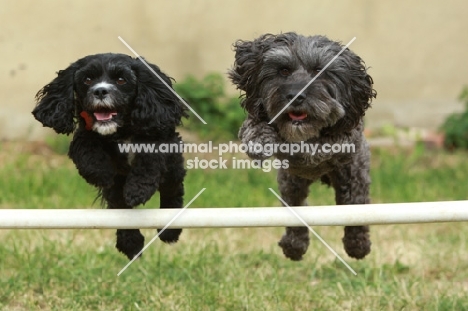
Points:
point(417, 49)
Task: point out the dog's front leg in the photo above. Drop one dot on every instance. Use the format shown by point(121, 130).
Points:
point(129, 241)
point(171, 193)
point(351, 184)
point(258, 133)
point(294, 191)
point(93, 163)
point(144, 177)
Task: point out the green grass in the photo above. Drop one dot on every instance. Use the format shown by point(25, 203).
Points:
point(411, 267)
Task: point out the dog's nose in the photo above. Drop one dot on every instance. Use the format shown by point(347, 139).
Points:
point(100, 92)
point(299, 98)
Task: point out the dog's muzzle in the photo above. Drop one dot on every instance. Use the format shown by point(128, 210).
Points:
point(101, 110)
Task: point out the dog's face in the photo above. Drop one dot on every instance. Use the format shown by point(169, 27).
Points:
point(105, 88)
point(106, 92)
point(272, 70)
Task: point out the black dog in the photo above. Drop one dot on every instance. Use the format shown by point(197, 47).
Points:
point(112, 99)
point(272, 70)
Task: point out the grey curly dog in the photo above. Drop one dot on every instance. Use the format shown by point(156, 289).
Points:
point(271, 70)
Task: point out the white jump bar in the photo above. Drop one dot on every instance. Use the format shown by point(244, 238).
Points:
point(333, 215)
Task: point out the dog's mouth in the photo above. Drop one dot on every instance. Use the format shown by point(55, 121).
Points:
point(101, 120)
point(297, 116)
point(104, 115)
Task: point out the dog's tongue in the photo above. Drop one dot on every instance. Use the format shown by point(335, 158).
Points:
point(297, 116)
point(103, 116)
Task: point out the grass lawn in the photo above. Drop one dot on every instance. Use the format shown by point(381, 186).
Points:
point(411, 267)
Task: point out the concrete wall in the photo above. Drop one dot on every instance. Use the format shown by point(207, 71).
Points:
point(417, 49)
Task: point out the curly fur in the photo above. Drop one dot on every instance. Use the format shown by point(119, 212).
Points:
point(125, 103)
point(270, 71)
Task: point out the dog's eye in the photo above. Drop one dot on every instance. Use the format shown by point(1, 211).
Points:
point(317, 69)
point(285, 72)
point(120, 81)
point(88, 81)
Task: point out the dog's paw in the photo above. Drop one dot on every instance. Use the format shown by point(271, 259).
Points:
point(260, 138)
point(294, 244)
point(99, 178)
point(105, 180)
point(135, 195)
point(170, 235)
point(357, 242)
point(129, 242)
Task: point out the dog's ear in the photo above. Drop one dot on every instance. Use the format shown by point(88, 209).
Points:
point(157, 110)
point(244, 74)
point(355, 92)
point(247, 61)
point(55, 102)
